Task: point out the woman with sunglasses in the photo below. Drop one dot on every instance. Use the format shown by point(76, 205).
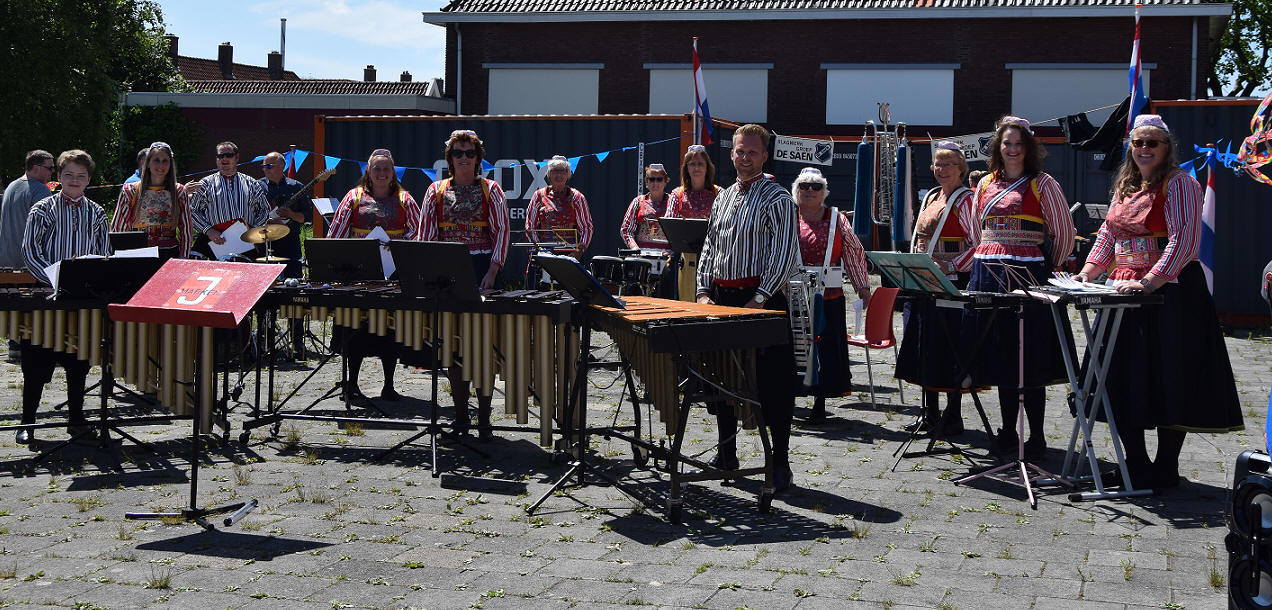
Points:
point(157, 205)
point(470, 209)
point(846, 261)
point(943, 232)
point(640, 228)
point(1021, 231)
point(1171, 369)
point(378, 201)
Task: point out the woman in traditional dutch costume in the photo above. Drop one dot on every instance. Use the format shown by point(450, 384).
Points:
point(692, 199)
point(559, 212)
point(157, 205)
point(378, 201)
point(843, 259)
point(942, 231)
point(1021, 232)
point(640, 228)
point(469, 209)
point(1171, 369)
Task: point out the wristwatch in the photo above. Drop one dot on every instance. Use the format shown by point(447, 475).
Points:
point(760, 298)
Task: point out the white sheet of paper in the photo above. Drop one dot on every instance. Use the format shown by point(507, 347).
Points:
point(233, 241)
point(857, 313)
point(325, 205)
point(52, 272)
point(147, 252)
point(386, 258)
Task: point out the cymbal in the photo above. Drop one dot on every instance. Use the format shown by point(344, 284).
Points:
point(272, 259)
point(262, 234)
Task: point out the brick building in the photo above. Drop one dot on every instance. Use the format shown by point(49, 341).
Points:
point(819, 66)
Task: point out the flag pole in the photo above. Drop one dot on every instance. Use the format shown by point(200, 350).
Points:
point(697, 128)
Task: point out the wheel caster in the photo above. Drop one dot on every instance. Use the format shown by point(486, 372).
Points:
point(640, 455)
point(766, 503)
point(244, 438)
point(275, 429)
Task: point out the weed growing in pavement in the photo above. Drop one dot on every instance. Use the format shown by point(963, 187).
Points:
point(160, 578)
point(1128, 569)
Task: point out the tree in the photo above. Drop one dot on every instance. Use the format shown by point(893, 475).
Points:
point(65, 65)
point(1240, 60)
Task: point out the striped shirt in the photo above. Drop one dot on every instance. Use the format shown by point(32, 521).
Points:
point(126, 215)
point(224, 199)
point(1055, 215)
point(1183, 230)
point(496, 215)
point(546, 212)
point(640, 228)
point(58, 229)
point(345, 220)
point(752, 233)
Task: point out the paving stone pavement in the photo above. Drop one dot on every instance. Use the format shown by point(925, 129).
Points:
point(335, 528)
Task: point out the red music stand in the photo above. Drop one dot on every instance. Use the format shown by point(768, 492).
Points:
point(205, 294)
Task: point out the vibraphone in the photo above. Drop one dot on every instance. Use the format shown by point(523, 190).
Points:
point(523, 337)
point(152, 358)
point(686, 353)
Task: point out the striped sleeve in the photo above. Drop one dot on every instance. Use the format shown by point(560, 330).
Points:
point(340, 219)
point(673, 203)
point(1055, 210)
point(412, 215)
point(967, 216)
point(1101, 254)
point(706, 258)
point(125, 208)
point(583, 216)
point(199, 205)
point(1183, 226)
point(532, 216)
point(181, 208)
point(781, 254)
point(853, 254)
point(428, 214)
point(500, 228)
point(36, 241)
point(99, 240)
point(257, 203)
point(625, 230)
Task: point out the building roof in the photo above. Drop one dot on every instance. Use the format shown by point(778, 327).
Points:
point(200, 69)
point(514, 11)
point(311, 87)
point(569, 6)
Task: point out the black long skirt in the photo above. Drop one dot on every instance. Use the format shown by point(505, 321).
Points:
point(998, 363)
point(834, 379)
point(928, 357)
point(1170, 366)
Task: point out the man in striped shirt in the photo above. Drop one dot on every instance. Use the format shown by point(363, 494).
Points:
point(59, 227)
point(752, 249)
point(223, 198)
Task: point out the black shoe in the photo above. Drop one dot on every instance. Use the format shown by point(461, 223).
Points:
point(1006, 445)
point(352, 395)
point(81, 432)
point(390, 394)
point(782, 476)
point(724, 462)
point(1036, 449)
point(816, 416)
point(923, 426)
point(953, 426)
point(485, 434)
point(25, 437)
point(1165, 477)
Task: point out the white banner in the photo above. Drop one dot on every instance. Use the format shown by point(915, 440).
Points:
point(801, 150)
point(975, 146)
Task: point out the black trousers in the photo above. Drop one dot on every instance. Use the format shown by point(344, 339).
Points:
point(37, 370)
point(775, 380)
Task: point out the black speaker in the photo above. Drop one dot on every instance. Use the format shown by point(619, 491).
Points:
point(1249, 539)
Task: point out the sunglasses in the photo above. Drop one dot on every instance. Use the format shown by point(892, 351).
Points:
point(810, 186)
point(1137, 143)
point(268, 165)
point(459, 153)
point(229, 155)
point(655, 179)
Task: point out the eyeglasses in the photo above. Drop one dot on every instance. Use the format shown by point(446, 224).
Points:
point(229, 155)
point(810, 186)
point(459, 153)
point(1137, 143)
point(268, 165)
point(48, 167)
point(943, 165)
point(655, 179)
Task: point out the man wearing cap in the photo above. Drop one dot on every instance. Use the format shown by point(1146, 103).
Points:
point(223, 198)
point(751, 250)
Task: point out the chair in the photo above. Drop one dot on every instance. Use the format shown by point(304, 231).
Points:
point(878, 333)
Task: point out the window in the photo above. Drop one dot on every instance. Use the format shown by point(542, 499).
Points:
point(543, 88)
point(917, 94)
point(737, 92)
point(1044, 91)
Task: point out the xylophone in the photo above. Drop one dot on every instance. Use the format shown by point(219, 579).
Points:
point(523, 337)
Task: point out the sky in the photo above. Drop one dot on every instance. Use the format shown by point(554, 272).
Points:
point(325, 38)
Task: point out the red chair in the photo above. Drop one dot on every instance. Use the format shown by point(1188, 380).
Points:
point(878, 333)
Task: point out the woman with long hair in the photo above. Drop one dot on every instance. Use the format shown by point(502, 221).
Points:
point(157, 205)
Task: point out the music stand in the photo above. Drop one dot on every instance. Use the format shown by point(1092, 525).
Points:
point(345, 260)
point(126, 240)
point(436, 271)
point(685, 235)
point(918, 273)
point(577, 281)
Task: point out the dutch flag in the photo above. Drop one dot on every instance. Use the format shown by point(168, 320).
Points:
point(1136, 84)
point(700, 97)
point(1206, 253)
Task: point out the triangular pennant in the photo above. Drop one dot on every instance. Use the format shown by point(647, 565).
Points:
point(331, 161)
point(542, 163)
point(301, 155)
point(574, 162)
point(400, 171)
point(431, 173)
point(486, 165)
point(600, 157)
point(260, 158)
point(363, 166)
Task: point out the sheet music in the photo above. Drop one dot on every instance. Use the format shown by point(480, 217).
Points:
point(147, 252)
point(325, 205)
point(1063, 281)
point(386, 258)
point(234, 243)
point(52, 272)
